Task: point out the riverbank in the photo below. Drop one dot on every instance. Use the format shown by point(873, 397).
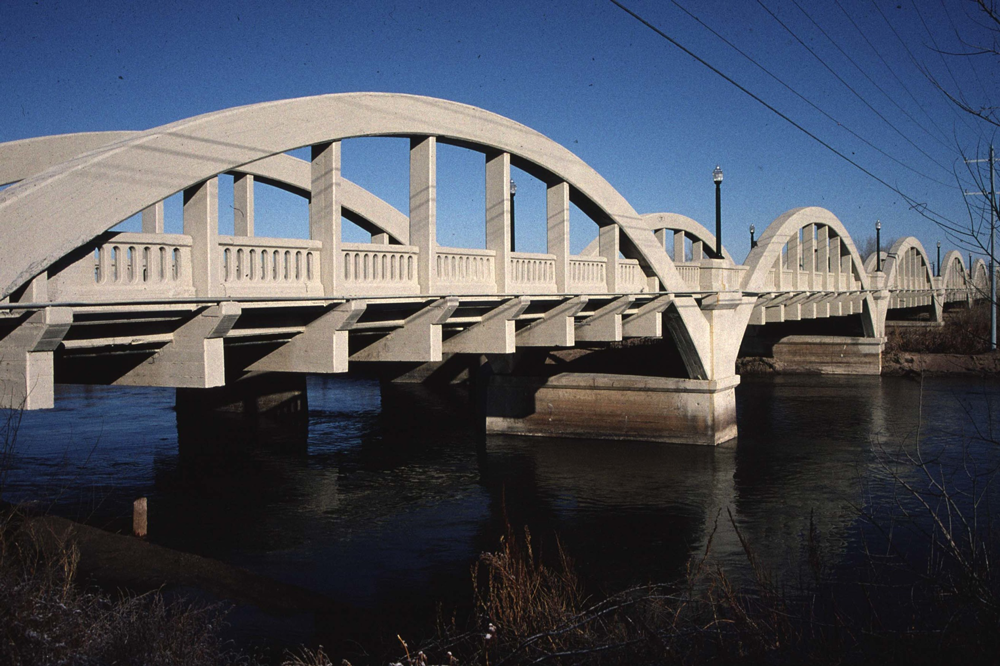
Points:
point(959, 346)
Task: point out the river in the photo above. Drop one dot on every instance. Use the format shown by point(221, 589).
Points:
point(388, 495)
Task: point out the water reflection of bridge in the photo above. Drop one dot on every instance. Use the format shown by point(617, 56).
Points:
point(83, 304)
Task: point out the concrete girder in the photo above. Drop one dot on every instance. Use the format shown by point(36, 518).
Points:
point(648, 321)
point(605, 325)
point(494, 334)
point(321, 348)
point(26, 359)
point(194, 358)
point(417, 341)
point(556, 328)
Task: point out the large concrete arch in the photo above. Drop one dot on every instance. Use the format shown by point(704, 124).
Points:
point(769, 248)
point(894, 262)
point(673, 222)
point(56, 211)
point(980, 279)
point(955, 274)
point(23, 159)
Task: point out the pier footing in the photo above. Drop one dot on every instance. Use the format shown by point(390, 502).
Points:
point(607, 406)
point(828, 355)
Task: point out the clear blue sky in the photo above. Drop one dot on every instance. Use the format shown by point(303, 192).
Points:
point(652, 120)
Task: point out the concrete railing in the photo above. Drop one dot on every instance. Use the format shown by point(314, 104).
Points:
point(631, 279)
point(691, 274)
point(126, 266)
point(463, 271)
point(587, 275)
point(378, 270)
point(532, 273)
point(253, 266)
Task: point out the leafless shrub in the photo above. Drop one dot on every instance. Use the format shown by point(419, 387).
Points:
point(47, 618)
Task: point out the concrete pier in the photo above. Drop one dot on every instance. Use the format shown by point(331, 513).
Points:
point(607, 406)
point(828, 355)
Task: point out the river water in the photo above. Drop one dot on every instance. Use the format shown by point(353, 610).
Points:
point(387, 496)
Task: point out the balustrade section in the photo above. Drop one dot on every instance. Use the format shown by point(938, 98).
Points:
point(588, 275)
point(532, 273)
point(124, 267)
point(262, 267)
point(378, 270)
point(690, 272)
point(631, 279)
point(462, 271)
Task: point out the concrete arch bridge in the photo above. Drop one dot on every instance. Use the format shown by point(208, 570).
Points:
point(636, 337)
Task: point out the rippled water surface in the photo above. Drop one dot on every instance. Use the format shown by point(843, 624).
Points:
point(388, 494)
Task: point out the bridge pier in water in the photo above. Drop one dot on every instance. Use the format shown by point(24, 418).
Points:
point(607, 406)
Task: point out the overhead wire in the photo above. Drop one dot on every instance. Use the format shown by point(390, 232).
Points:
point(927, 212)
point(921, 68)
point(891, 69)
point(851, 88)
point(865, 74)
point(805, 99)
point(970, 60)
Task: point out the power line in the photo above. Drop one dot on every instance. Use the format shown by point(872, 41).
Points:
point(849, 87)
point(890, 69)
point(969, 60)
point(805, 99)
point(913, 59)
point(927, 212)
point(865, 74)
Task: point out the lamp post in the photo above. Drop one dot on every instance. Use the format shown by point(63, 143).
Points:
point(513, 191)
point(878, 246)
point(753, 243)
point(717, 177)
point(939, 259)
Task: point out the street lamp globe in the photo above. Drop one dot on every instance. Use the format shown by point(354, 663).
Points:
point(878, 225)
point(513, 187)
point(717, 174)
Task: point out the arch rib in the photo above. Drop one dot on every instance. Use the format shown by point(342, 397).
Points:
point(54, 212)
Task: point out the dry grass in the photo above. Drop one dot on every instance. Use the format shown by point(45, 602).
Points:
point(966, 331)
point(47, 618)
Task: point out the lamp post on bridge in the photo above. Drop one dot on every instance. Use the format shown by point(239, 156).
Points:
point(753, 243)
point(717, 177)
point(878, 246)
point(939, 259)
point(513, 191)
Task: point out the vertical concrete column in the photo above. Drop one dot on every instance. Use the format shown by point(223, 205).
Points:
point(423, 208)
point(696, 251)
point(793, 258)
point(678, 247)
point(380, 239)
point(661, 238)
point(152, 219)
point(823, 256)
point(809, 255)
point(498, 215)
point(609, 247)
point(835, 263)
point(243, 205)
point(201, 223)
point(557, 209)
point(324, 211)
